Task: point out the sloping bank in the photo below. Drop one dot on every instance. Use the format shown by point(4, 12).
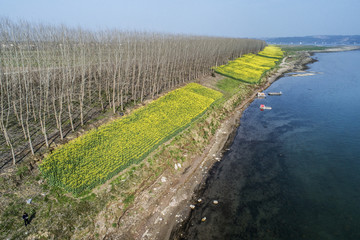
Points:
point(161, 201)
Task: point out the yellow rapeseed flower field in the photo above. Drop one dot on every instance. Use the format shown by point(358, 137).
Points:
point(90, 160)
point(250, 67)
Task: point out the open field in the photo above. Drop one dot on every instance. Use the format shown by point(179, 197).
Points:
point(295, 48)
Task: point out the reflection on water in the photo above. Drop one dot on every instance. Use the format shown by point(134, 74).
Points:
point(302, 74)
point(292, 172)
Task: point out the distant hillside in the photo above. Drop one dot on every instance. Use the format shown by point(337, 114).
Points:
point(317, 40)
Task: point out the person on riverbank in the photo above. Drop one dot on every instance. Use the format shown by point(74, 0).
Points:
point(26, 219)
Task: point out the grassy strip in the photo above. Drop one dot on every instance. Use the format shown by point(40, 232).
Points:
point(295, 48)
point(94, 158)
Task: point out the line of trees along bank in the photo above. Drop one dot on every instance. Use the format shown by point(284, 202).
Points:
point(53, 75)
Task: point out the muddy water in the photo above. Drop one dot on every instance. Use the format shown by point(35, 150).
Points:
point(292, 172)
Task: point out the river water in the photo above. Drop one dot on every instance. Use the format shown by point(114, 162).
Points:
point(292, 172)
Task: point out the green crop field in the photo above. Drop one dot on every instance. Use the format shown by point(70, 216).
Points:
point(92, 159)
point(250, 67)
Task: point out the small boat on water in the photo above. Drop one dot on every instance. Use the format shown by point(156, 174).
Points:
point(275, 93)
point(261, 94)
point(263, 107)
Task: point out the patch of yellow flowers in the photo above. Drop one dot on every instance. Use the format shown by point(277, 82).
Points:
point(250, 67)
point(90, 160)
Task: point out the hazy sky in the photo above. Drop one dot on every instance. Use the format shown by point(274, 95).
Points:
point(231, 18)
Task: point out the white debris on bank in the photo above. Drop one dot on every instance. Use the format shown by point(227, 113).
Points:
point(177, 166)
